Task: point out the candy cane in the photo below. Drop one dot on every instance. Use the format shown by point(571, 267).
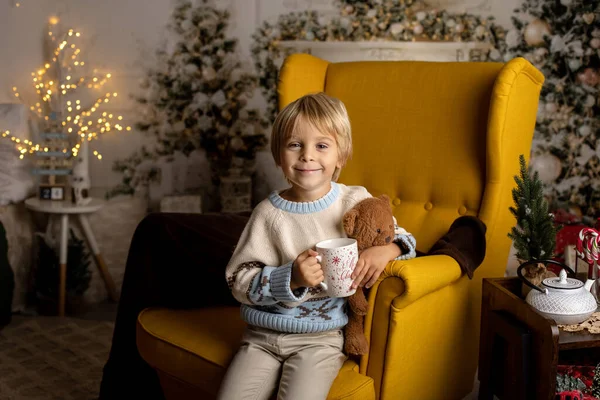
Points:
point(588, 245)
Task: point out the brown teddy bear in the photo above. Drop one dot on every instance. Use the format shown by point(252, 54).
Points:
point(371, 223)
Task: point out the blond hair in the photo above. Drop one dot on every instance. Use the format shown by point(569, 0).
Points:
point(325, 113)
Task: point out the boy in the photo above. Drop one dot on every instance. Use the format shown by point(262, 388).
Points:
point(294, 333)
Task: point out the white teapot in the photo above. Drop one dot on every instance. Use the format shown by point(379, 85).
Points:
point(565, 300)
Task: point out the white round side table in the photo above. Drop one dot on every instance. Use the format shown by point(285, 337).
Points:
point(64, 209)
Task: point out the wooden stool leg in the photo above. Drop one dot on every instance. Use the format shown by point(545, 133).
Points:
point(62, 285)
point(110, 285)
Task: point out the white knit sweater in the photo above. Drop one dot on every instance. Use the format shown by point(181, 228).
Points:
point(259, 272)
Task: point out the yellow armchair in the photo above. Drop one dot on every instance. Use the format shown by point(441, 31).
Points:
point(441, 140)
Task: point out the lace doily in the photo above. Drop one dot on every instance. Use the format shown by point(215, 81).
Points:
point(592, 324)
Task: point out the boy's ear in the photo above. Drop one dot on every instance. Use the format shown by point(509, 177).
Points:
point(349, 221)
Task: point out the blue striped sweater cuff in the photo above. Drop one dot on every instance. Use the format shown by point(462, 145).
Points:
point(409, 242)
point(280, 284)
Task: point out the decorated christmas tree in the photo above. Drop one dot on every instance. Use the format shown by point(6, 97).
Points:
point(196, 96)
point(67, 107)
point(562, 39)
point(534, 235)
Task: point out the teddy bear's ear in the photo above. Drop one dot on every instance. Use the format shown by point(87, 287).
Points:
point(385, 197)
point(349, 221)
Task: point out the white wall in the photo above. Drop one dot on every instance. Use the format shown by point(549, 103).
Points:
point(124, 33)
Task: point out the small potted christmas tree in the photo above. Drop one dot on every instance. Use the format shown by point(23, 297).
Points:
point(534, 235)
point(47, 276)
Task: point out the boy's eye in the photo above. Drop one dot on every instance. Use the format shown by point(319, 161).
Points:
point(322, 146)
point(294, 145)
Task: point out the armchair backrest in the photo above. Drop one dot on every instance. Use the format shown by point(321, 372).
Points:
point(440, 139)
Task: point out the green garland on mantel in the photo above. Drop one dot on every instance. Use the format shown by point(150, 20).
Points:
point(374, 20)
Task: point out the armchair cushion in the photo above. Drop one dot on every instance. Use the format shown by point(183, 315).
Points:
point(196, 346)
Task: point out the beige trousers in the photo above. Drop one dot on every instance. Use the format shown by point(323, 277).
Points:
point(304, 364)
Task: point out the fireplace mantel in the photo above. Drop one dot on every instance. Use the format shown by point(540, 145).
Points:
point(390, 51)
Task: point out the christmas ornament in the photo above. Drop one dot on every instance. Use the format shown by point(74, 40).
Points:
point(551, 108)
point(588, 76)
point(548, 166)
point(209, 73)
point(535, 32)
point(588, 18)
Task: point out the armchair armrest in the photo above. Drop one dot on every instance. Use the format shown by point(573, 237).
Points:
point(421, 276)
point(403, 322)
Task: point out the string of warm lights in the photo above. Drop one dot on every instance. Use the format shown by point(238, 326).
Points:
point(56, 84)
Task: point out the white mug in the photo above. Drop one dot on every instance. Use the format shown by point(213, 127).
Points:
point(338, 258)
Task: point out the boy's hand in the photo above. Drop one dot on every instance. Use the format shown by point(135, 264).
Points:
point(371, 263)
point(306, 271)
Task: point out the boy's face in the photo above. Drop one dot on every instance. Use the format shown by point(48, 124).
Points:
point(308, 160)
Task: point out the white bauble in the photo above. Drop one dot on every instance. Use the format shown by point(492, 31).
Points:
point(495, 55)
point(589, 101)
point(595, 43)
point(547, 165)
point(551, 108)
point(566, 3)
point(450, 23)
point(209, 73)
point(480, 31)
point(557, 44)
point(396, 28)
point(535, 32)
point(372, 13)
point(309, 35)
point(421, 15)
point(541, 111)
point(345, 22)
point(418, 29)
point(585, 130)
point(513, 38)
point(574, 64)
point(191, 69)
point(218, 98)
point(459, 28)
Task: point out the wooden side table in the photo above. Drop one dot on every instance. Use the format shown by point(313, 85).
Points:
point(64, 209)
point(522, 347)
